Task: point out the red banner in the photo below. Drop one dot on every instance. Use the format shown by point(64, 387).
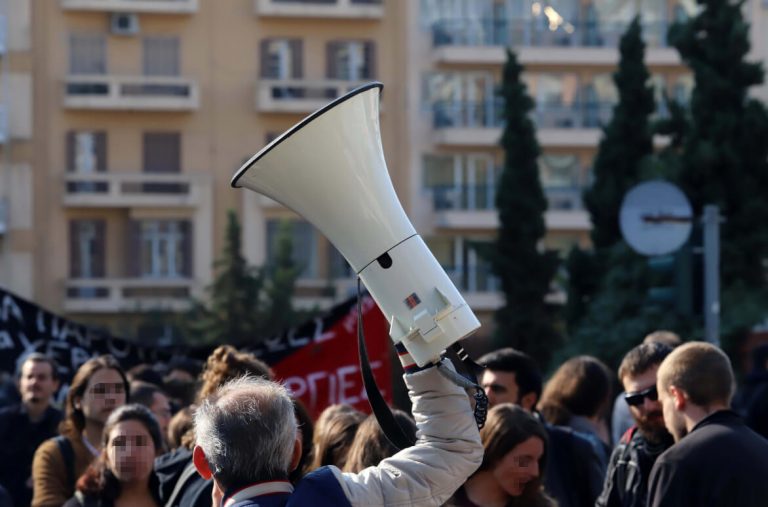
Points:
point(324, 369)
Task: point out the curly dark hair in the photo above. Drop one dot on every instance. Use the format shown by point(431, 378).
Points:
point(227, 363)
point(98, 480)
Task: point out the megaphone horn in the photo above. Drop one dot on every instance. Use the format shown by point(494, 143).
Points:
point(330, 169)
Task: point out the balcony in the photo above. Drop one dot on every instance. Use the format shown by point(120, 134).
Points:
point(477, 284)
point(109, 295)
point(299, 96)
point(484, 41)
point(332, 9)
point(130, 93)
point(480, 123)
point(148, 6)
point(473, 207)
point(124, 190)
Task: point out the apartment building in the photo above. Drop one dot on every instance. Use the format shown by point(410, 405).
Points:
point(117, 198)
point(16, 149)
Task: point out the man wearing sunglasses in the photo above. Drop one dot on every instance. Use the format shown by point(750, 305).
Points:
point(626, 482)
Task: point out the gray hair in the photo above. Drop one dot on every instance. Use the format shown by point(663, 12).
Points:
point(247, 430)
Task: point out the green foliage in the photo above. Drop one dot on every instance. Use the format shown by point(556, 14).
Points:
point(282, 276)
point(597, 293)
point(247, 304)
point(525, 273)
point(724, 157)
point(626, 141)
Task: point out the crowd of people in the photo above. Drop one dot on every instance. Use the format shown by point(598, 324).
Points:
point(226, 433)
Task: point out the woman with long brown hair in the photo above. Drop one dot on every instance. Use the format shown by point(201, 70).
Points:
point(515, 445)
point(123, 473)
point(99, 387)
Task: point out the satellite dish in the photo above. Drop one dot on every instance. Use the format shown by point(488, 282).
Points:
point(656, 218)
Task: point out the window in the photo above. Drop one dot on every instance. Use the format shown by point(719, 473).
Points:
point(304, 240)
point(562, 181)
point(557, 98)
point(466, 182)
point(87, 248)
point(351, 60)
point(464, 265)
point(162, 249)
point(462, 99)
point(161, 56)
point(281, 58)
point(87, 54)
point(86, 151)
point(162, 154)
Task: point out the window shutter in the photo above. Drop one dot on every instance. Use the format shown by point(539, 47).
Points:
point(330, 57)
point(264, 59)
point(162, 152)
point(187, 252)
point(75, 271)
point(297, 55)
point(100, 141)
point(134, 252)
point(369, 53)
point(70, 148)
point(100, 248)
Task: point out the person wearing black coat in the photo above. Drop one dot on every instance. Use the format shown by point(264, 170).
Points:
point(716, 460)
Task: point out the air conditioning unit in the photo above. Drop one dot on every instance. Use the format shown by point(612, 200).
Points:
point(123, 23)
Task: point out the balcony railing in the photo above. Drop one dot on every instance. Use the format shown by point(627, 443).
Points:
point(483, 197)
point(473, 278)
point(141, 93)
point(135, 189)
point(102, 295)
point(320, 8)
point(538, 33)
point(488, 114)
point(149, 6)
point(299, 95)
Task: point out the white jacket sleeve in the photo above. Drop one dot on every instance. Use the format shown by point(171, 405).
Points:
point(447, 451)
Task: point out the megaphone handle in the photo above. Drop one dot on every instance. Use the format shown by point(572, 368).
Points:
point(389, 425)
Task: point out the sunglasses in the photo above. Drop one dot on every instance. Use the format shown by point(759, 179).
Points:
point(638, 398)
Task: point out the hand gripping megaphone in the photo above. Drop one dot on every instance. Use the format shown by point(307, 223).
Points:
point(330, 169)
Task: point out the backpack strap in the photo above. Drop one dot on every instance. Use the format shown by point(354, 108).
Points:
point(627, 437)
point(68, 455)
point(188, 472)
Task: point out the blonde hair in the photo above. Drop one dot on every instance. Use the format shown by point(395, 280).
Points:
point(701, 370)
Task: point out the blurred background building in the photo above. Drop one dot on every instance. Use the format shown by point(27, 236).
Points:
point(122, 122)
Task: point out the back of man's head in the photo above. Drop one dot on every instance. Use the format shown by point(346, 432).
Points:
point(509, 360)
point(668, 338)
point(247, 431)
point(642, 358)
point(702, 371)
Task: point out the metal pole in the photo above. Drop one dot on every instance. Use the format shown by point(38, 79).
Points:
point(711, 222)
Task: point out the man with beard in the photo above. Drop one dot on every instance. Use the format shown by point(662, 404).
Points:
point(626, 482)
point(25, 426)
point(716, 460)
point(573, 473)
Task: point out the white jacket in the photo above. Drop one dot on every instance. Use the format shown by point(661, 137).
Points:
point(447, 452)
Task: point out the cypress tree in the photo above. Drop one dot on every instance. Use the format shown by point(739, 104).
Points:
point(525, 272)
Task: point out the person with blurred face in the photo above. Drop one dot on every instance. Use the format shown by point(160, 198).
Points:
point(123, 474)
point(573, 474)
point(25, 426)
point(626, 483)
point(99, 387)
point(515, 445)
point(716, 460)
point(155, 400)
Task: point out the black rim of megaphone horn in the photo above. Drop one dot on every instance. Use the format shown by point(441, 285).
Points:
point(288, 133)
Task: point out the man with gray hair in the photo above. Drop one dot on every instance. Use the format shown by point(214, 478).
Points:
point(247, 441)
point(716, 460)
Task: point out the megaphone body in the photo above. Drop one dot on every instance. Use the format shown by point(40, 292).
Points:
point(330, 169)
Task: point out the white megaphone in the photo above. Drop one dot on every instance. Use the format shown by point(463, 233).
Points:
point(330, 169)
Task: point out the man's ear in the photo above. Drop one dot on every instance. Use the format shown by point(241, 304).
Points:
point(296, 456)
point(528, 401)
point(680, 398)
point(201, 463)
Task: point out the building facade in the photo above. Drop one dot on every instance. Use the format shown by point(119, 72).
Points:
point(122, 122)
